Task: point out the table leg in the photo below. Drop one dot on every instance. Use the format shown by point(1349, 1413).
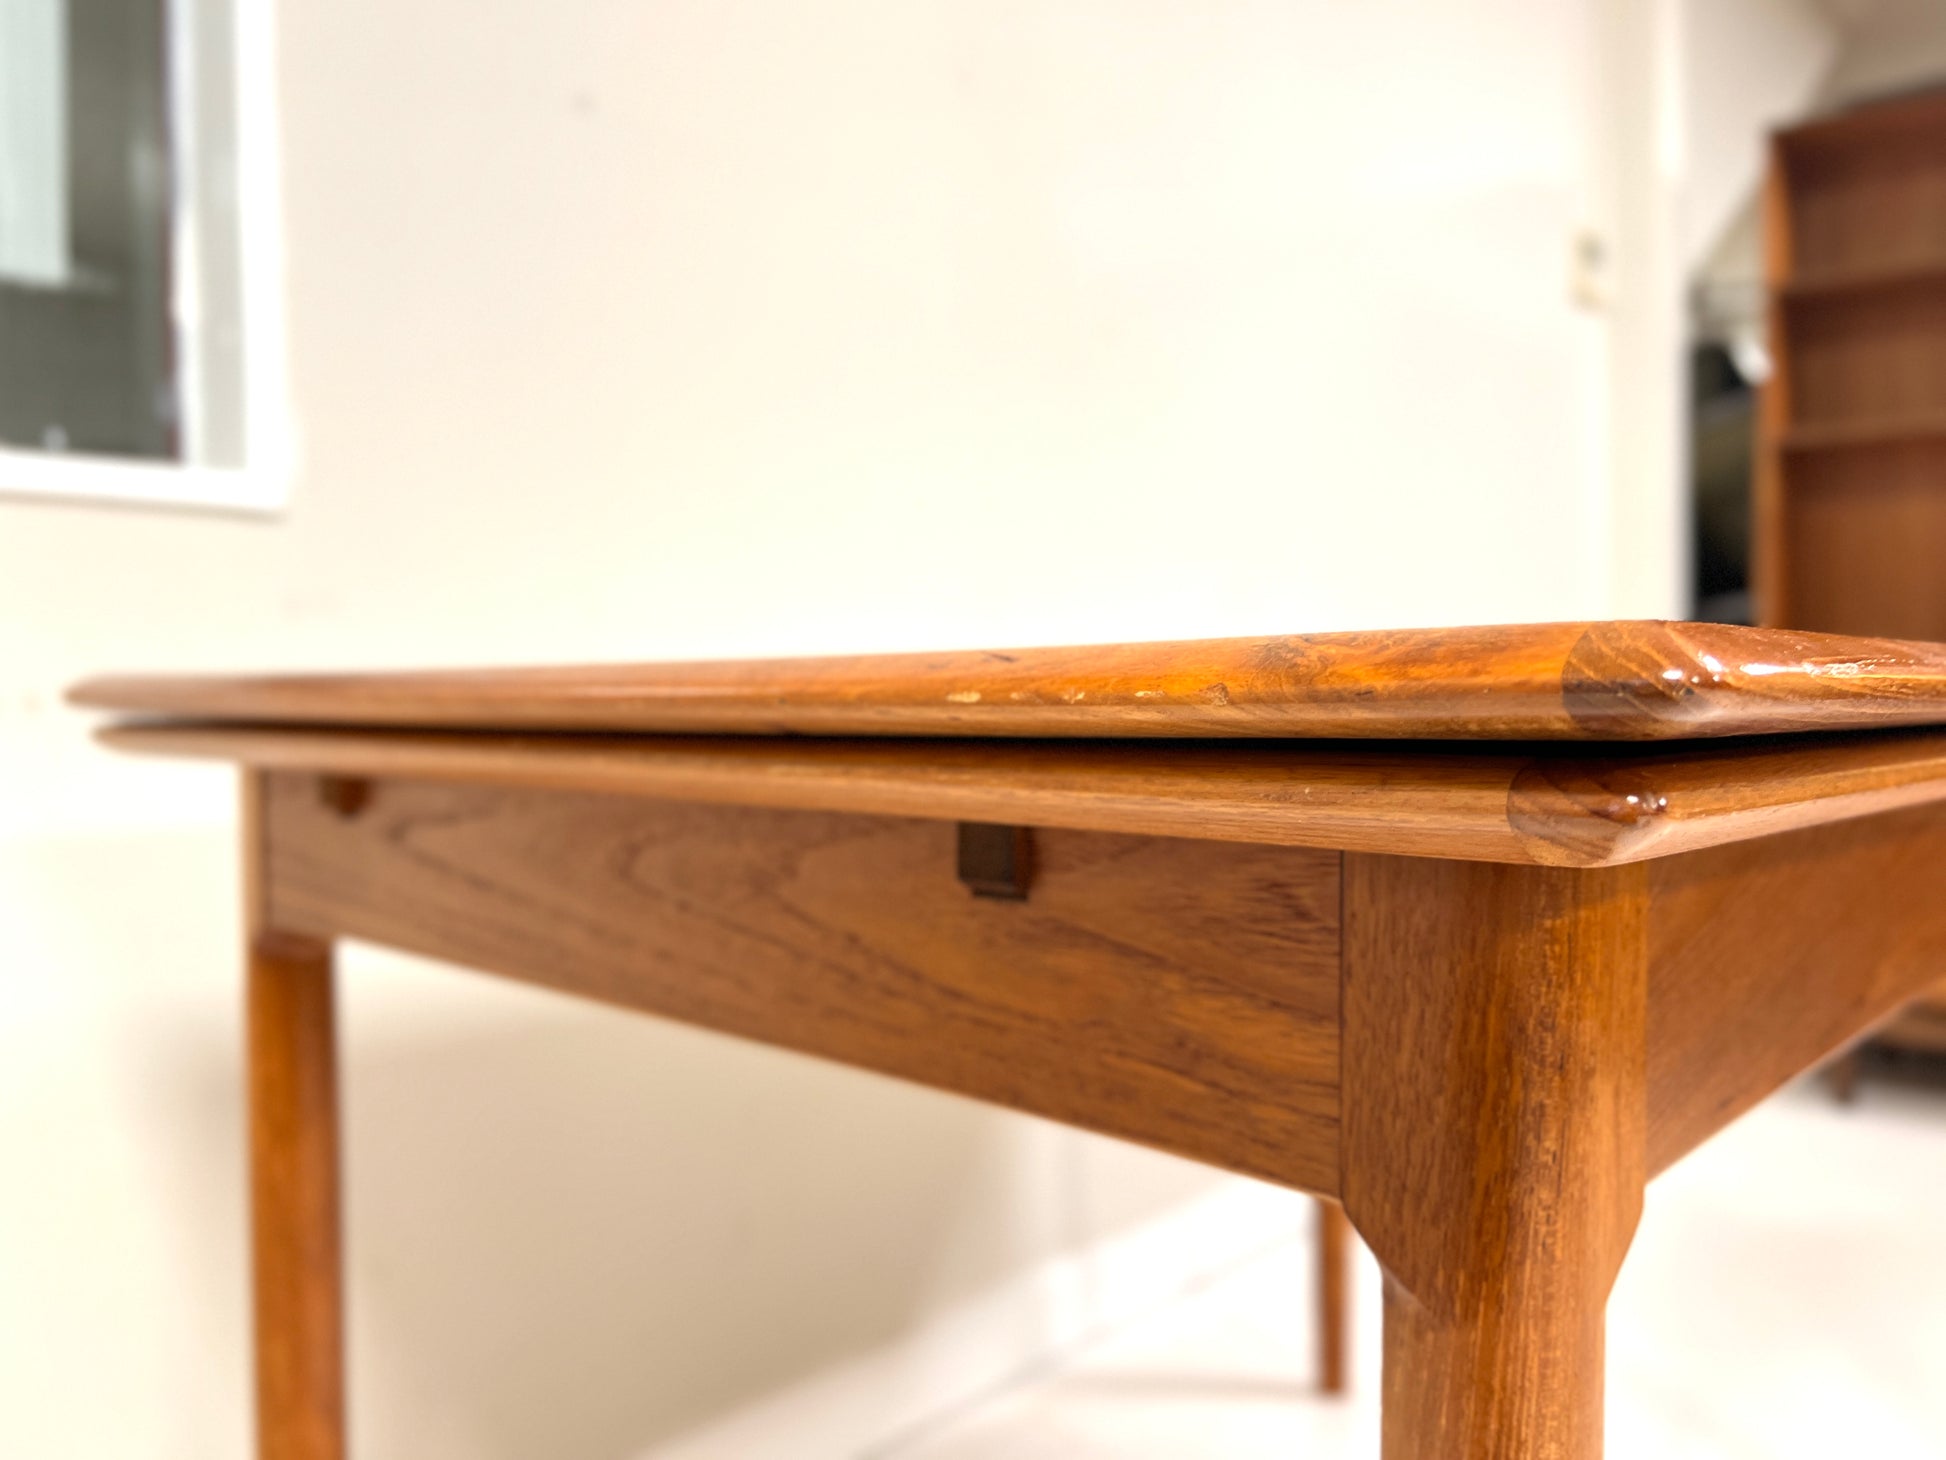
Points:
point(294, 1200)
point(1334, 1310)
point(1494, 1114)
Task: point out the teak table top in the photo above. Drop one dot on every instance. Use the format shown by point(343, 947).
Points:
point(1577, 681)
point(1471, 931)
point(1558, 744)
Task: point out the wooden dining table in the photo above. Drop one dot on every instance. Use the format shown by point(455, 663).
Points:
point(1471, 930)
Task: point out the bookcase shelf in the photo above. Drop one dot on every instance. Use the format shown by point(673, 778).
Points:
point(1850, 511)
point(1865, 432)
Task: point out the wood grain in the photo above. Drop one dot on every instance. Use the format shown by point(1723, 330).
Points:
point(1594, 811)
point(1334, 1297)
point(1769, 956)
point(297, 1280)
point(1493, 1141)
point(1601, 681)
point(1509, 804)
point(1178, 993)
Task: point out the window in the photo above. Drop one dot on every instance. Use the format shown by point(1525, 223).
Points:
point(140, 348)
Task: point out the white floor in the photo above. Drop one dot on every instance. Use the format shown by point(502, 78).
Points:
point(1785, 1298)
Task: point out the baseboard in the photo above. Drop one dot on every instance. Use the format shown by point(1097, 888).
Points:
point(872, 1406)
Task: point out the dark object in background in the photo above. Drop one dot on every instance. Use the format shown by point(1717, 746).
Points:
point(1723, 425)
point(1911, 1063)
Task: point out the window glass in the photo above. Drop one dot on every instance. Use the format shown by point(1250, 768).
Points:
point(87, 354)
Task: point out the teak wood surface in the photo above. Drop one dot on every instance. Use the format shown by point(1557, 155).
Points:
point(1478, 990)
point(1577, 681)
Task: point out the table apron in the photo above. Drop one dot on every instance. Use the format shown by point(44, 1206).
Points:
point(1179, 993)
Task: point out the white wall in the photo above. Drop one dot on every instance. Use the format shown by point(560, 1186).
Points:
point(706, 328)
point(1748, 66)
point(1890, 46)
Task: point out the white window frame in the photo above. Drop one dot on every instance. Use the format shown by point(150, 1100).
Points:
point(261, 483)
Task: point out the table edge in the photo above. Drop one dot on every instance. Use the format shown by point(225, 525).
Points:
point(1628, 680)
point(1525, 804)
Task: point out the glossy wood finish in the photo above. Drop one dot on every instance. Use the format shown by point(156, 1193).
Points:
point(1542, 805)
point(1179, 993)
point(1453, 802)
point(1630, 807)
point(1478, 991)
point(297, 1282)
point(1204, 976)
point(1604, 681)
point(1493, 1140)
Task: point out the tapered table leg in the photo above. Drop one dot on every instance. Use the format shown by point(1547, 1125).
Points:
point(1494, 1115)
point(1334, 1309)
point(294, 1202)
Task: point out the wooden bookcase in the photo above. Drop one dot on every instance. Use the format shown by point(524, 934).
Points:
point(1850, 501)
